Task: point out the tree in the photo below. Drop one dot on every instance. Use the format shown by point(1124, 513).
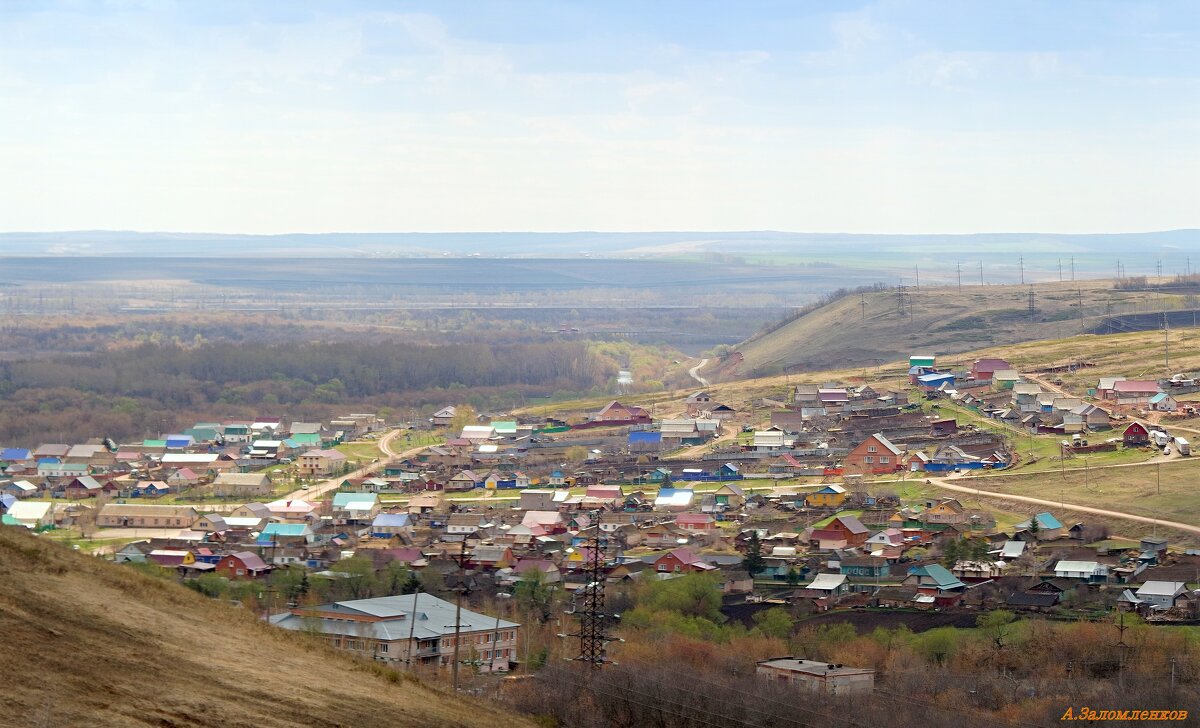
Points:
point(533, 595)
point(793, 576)
point(773, 622)
point(951, 553)
point(997, 625)
point(754, 563)
point(1034, 526)
point(464, 414)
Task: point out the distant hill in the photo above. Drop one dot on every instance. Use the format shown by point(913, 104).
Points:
point(1007, 257)
point(946, 320)
point(89, 643)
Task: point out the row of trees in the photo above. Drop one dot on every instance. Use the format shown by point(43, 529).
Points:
point(684, 664)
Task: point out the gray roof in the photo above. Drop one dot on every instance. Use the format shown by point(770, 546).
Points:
point(434, 618)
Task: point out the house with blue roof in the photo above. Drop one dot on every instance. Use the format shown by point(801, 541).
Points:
point(287, 533)
point(387, 525)
point(645, 441)
point(12, 455)
point(936, 580)
point(1163, 402)
point(1049, 527)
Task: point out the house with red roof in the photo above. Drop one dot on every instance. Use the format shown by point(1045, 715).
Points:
point(1135, 392)
point(680, 561)
point(242, 565)
point(614, 411)
point(983, 369)
point(697, 523)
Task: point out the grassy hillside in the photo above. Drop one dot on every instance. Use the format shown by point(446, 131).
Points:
point(87, 642)
point(942, 320)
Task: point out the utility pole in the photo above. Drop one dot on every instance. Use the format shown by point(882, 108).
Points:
point(462, 588)
point(917, 274)
point(862, 300)
point(1060, 270)
point(412, 630)
point(981, 272)
point(1072, 268)
point(1021, 267)
point(1032, 304)
point(958, 274)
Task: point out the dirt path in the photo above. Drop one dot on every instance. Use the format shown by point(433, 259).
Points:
point(315, 492)
point(694, 372)
point(944, 483)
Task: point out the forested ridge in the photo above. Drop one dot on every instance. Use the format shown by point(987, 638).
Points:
point(152, 387)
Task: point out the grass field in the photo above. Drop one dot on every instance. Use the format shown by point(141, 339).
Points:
point(1134, 490)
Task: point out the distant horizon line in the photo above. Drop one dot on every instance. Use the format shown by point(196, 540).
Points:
point(591, 232)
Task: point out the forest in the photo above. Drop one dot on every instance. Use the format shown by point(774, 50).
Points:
point(149, 388)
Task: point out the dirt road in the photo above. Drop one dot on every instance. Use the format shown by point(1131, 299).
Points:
point(946, 484)
point(314, 492)
point(694, 372)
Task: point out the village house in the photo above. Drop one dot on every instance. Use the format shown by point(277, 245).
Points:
point(444, 417)
point(700, 524)
point(242, 485)
point(828, 496)
point(1163, 594)
point(380, 629)
point(354, 508)
point(874, 455)
point(125, 515)
point(680, 561)
point(31, 514)
point(320, 462)
point(242, 565)
point(843, 531)
point(1136, 435)
point(984, 369)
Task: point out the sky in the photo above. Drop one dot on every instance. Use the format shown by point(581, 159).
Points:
point(879, 117)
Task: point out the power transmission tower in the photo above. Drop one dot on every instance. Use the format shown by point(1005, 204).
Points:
point(593, 621)
point(1032, 306)
point(917, 274)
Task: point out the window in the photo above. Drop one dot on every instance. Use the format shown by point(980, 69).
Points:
point(872, 448)
point(487, 654)
point(382, 646)
point(884, 459)
point(869, 459)
point(662, 567)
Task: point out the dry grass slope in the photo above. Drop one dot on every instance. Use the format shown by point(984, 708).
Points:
point(89, 643)
point(943, 321)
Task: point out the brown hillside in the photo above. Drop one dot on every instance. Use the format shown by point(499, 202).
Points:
point(938, 320)
point(89, 643)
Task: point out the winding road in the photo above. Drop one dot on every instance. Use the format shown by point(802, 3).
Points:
point(694, 372)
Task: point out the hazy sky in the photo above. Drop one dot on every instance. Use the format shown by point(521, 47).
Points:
point(428, 116)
